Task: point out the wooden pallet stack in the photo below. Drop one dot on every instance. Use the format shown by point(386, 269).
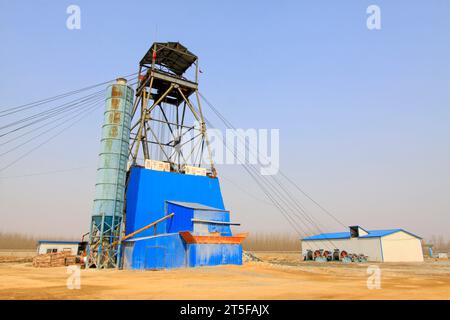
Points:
point(56, 259)
point(70, 260)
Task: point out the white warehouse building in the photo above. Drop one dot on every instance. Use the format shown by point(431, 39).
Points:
point(395, 245)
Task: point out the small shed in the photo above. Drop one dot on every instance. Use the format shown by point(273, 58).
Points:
point(392, 245)
point(198, 218)
point(51, 246)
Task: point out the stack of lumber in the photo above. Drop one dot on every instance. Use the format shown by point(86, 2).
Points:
point(70, 260)
point(57, 259)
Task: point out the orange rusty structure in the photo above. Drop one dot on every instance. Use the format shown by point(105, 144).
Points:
point(188, 237)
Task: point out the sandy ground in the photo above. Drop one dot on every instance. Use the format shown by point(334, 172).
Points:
point(280, 276)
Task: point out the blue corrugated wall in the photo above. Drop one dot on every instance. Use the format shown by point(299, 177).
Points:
point(223, 216)
point(147, 195)
point(159, 252)
point(214, 254)
point(169, 251)
point(148, 190)
point(182, 220)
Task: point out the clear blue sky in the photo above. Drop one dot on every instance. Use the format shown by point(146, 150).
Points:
point(363, 115)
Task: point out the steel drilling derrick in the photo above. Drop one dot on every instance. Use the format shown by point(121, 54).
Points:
point(164, 112)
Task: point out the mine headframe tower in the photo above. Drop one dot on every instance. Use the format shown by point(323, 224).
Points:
point(168, 123)
point(168, 128)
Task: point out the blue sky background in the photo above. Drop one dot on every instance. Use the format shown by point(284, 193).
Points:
point(363, 115)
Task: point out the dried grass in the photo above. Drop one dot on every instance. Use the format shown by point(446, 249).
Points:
point(22, 241)
point(17, 241)
point(271, 242)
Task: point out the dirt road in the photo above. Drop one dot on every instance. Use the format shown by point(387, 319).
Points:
point(281, 276)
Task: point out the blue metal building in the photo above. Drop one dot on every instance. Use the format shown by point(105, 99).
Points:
point(197, 234)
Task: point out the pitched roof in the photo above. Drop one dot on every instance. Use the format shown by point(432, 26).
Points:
point(194, 205)
point(346, 235)
point(58, 242)
point(325, 236)
point(172, 55)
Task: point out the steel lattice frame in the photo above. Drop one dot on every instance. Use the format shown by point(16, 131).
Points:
point(161, 89)
point(104, 236)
